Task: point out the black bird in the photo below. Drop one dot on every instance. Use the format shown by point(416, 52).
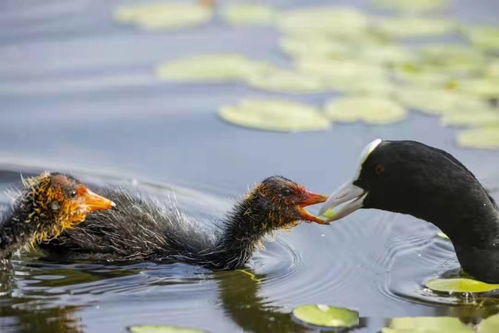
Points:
point(47, 205)
point(139, 229)
point(412, 178)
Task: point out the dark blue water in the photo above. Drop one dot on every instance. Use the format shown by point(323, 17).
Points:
point(77, 94)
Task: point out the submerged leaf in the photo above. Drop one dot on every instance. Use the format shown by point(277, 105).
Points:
point(211, 67)
point(167, 16)
point(163, 329)
point(275, 115)
point(460, 285)
point(482, 138)
point(327, 316)
point(246, 13)
point(427, 325)
point(373, 110)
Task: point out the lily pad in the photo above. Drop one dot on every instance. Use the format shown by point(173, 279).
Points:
point(489, 325)
point(483, 87)
point(275, 115)
point(373, 110)
point(484, 37)
point(460, 285)
point(163, 329)
point(412, 6)
point(418, 74)
point(288, 81)
point(413, 27)
point(315, 47)
point(164, 16)
point(248, 14)
point(333, 20)
point(326, 316)
point(478, 117)
point(481, 138)
point(211, 67)
point(427, 325)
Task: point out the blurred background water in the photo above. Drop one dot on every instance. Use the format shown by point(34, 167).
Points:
point(78, 94)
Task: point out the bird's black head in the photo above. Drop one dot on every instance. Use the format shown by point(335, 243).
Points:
point(412, 178)
point(281, 202)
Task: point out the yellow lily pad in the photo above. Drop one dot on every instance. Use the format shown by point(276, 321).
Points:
point(485, 37)
point(427, 325)
point(460, 285)
point(164, 16)
point(288, 82)
point(163, 329)
point(275, 115)
point(412, 6)
point(211, 67)
point(411, 27)
point(326, 316)
point(248, 13)
point(373, 110)
point(481, 138)
point(333, 20)
point(480, 117)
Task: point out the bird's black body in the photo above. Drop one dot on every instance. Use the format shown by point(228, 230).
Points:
point(412, 178)
point(140, 229)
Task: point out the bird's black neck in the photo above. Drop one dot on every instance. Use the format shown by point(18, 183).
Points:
point(243, 230)
point(19, 225)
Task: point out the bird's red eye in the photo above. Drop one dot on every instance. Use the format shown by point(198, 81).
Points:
point(379, 169)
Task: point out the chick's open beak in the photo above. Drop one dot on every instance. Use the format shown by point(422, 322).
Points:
point(93, 201)
point(350, 195)
point(310, 198)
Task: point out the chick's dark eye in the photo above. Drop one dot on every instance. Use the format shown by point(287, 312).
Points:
point(72, 194)
point(286, 192)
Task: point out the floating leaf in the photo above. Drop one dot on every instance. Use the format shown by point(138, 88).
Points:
point(485, 37)
point(489, 325)
point(374, 110)
point(275, 115)
point(460, 285)
point(167, 16)
point(288, 81)
point(327, 316)
point(385, 54)
point(317, 47)
point(421, 75)
point(452, 58)
point(245, 13)
point(479, 117)
point(333, 20)
point(412, 6)
point(427, 325)
point(410, 27)
point(482, 87)
point(211, 67)
point(163, 329)
point(482, 138)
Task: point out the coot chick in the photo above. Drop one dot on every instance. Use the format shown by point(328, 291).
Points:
point(412, 178)
point(139, 229)
point(47, 205)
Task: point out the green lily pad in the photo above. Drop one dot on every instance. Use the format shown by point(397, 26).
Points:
point(333, 20)
point(489, 325)
point(480, 117)
point(163, 329)
point(484, 37)
point(386, 54)
point(413, 27)
point(460, 285)
point(373, 110)
point(481, 138)
point(438, 101)
point(482, 87)
point(164, 16)
point(275, 115)
point(327, 316)
point(318, 46)
point(457, 58)
point(412, 6)
point(421, 75)
point(492, 69)
point(288, 82)
point(246, 13)
point(211, 67)
point(427, 325)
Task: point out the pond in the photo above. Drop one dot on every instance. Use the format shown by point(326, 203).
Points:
point(79, 95)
